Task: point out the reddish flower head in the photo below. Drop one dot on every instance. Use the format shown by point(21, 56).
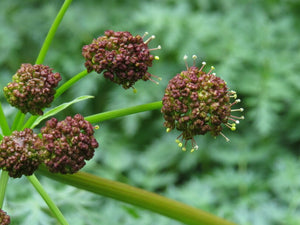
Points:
point(69, 143)
point(197, 103)
point(21, 153)
point(4, 218)
point(123, 58)
point(32, 88)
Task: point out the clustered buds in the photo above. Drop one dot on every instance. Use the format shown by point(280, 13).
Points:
point(196, 103)
point(69, 143)
point(123, 58)
point(4, 218)
point(32, 88)
point(20, 153)
point(63, 147)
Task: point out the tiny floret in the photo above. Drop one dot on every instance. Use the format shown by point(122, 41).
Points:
point(121, 57)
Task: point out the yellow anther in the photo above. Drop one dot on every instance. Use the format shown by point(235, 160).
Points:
point(168, 130)
point(183, 149)
point(96, 127)
point(156, 57)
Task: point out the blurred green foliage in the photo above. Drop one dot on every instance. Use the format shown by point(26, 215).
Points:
point(254, 45)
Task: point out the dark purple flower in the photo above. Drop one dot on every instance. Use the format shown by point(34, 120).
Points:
point(196, 103)
point(21, 153)
point(69, 143)
point(32, 88)
point(122, 57)
point(4, 218)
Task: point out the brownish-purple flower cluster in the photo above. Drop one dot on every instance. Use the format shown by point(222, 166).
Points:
point(196, 103)
point(4, 218)
point(122, 57)
point(32, 88)
point(69, 143)
point(21, 153)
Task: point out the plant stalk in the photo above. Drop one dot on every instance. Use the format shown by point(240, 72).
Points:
point(56, 212)
point(138, 197)
point(123, 112)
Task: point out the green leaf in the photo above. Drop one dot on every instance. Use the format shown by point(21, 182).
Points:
point(59, 108)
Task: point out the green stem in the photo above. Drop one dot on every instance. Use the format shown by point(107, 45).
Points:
point(18, 122)
point(34, 181)
point(123, 112)
point(3, 184)
point(70, 82)
point(3, 122)
point(52, 31)
point(139, 197)
point(30, 121)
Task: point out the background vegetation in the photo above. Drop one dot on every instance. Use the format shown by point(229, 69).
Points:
point(254, 45)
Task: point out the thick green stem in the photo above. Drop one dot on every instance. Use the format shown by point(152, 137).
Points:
point(3, 183)
point(123, 112)
point(70, 82)
point(56, 212)
point(52, 31)
point(139, 197)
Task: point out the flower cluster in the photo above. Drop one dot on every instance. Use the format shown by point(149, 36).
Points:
point(69, 143)
point(196, 103)
point(4, 218)
point(21, 153)
point(123, 58)
point(32, 88)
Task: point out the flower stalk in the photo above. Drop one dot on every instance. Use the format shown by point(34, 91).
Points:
point(123, 112)
point(56, 212)
point(138, 197)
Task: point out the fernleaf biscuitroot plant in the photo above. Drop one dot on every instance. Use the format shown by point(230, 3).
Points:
point(195, 103)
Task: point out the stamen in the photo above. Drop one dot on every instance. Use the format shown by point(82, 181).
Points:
point(183, 149)
point(154, 81)
point(203, 64)
point(233, 94)
point(231, 126)
point(159, 78)
point(211, 69)
point(238, 110)
point(149, 39)
point(226, 138)
point(96, 127)
point(236, 101)
point(157, 48)
point(156, 57)
point(237, 117)
point(194, 58)
point(214, 74)
point(168, 130)
point(236, 121)
point(145, 34)
point(134, 90)
point(185, 61)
